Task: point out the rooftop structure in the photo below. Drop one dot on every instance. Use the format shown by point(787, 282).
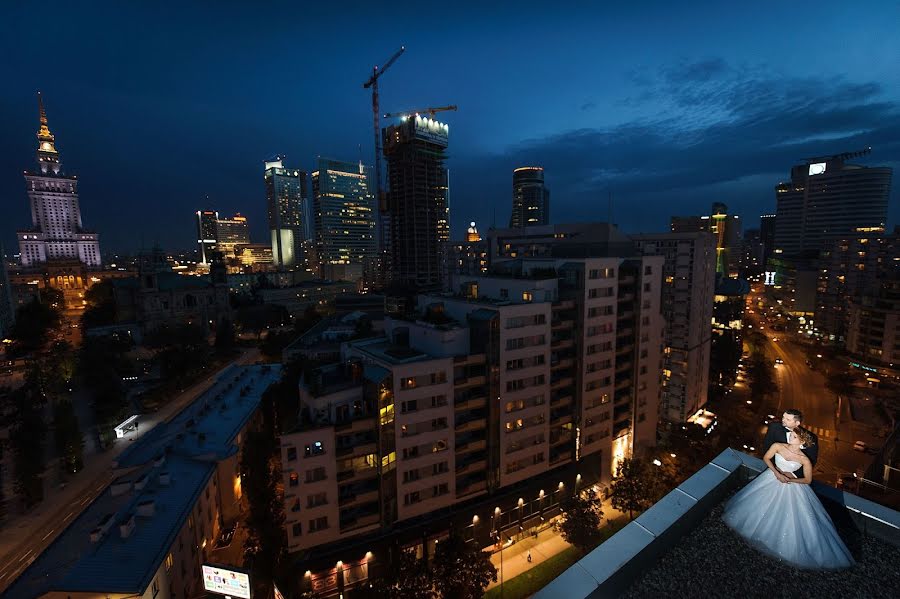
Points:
point(662, 547)
point(177, 484)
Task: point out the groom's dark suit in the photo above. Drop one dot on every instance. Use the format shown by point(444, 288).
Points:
point(777, 433)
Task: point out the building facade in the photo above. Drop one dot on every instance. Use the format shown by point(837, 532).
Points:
point(873, 330)
point(286, 197)
point(417, 204)
point(849, 269)
point(160, 297)
point(57, 241)
point(207, 234)
point(689, 280)
point(149, 532)
point(231, 233)
point(725, 227)
point(344, 219)
point(829, 198)
point(767, 237)
point(509, 377)
point(530, 198)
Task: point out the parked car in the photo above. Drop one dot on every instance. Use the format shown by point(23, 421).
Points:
point(860, 446)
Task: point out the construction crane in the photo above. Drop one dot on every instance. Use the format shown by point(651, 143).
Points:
point(431, 111)
point(373, 83)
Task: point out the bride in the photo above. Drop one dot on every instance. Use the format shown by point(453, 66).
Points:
point(785, 519)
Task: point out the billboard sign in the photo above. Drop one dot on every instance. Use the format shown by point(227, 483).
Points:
point(817, 168)
point(431, 130)
point(770, 278)
point(225, 581)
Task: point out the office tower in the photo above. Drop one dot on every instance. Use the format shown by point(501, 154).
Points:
point(725, 227)
point(207, 232)
point(7, 308)
point(230, 233)
point(849, 269)
point(417, 202)
point(689, 281)
point(344, 218)
point(531, 198)
point(829, 198)
point(516, 376)
point(57, 234)
point(286, 196)
point(767, 237)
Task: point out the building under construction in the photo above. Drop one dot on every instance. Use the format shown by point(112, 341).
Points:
point(417, 204)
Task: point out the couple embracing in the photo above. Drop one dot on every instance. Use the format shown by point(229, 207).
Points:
point(778, 513)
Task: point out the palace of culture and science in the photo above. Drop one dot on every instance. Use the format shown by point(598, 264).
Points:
point(56, 243)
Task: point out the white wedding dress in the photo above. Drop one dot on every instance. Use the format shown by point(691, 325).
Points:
point(787, 521)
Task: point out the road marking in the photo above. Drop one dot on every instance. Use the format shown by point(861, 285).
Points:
point(69, 515)
point(24, 557)
point(47, 535)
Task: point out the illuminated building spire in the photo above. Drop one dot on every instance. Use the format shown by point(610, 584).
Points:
point(47, 156)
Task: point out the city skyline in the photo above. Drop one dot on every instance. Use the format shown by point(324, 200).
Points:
point(658, 128)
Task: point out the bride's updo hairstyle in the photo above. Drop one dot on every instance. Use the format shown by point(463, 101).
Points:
point(806, 437)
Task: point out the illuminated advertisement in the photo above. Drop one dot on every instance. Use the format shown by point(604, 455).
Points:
point(431, 130)
point(224, 581)
point(770, 278)
point(817, 168)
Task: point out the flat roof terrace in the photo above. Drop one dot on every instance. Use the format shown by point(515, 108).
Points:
point(680, 547)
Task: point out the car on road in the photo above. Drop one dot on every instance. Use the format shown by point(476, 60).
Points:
point(778, 361)
point(860, 446)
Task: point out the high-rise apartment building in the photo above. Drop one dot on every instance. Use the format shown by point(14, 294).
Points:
point(417, 202)
point(231, 233)
point(512, 377)
point(286, 196)
point(727, 230)
point(689, 282)
point(849, 269)
point(344, 218)
point(829, 198)
point(207, 232)
point(530, 198)
point(873, 330)
point(57, 233)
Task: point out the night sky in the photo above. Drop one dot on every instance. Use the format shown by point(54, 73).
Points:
point(670, 106)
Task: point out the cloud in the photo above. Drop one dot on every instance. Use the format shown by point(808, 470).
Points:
point(722, 133)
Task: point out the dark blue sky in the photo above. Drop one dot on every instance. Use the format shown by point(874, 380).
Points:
point(670, 105)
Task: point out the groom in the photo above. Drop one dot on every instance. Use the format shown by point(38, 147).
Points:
point(778, 433)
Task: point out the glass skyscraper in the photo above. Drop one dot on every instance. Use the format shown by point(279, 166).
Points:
point(344, 219)
point(531, 198)
point(286, 195)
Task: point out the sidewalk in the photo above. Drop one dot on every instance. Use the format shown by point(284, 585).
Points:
point(547, 544)
point(25, 537)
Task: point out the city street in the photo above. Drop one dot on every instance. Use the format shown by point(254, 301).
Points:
point(25, 537)
point(801, 387)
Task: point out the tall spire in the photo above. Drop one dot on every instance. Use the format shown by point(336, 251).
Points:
point(47, 156)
